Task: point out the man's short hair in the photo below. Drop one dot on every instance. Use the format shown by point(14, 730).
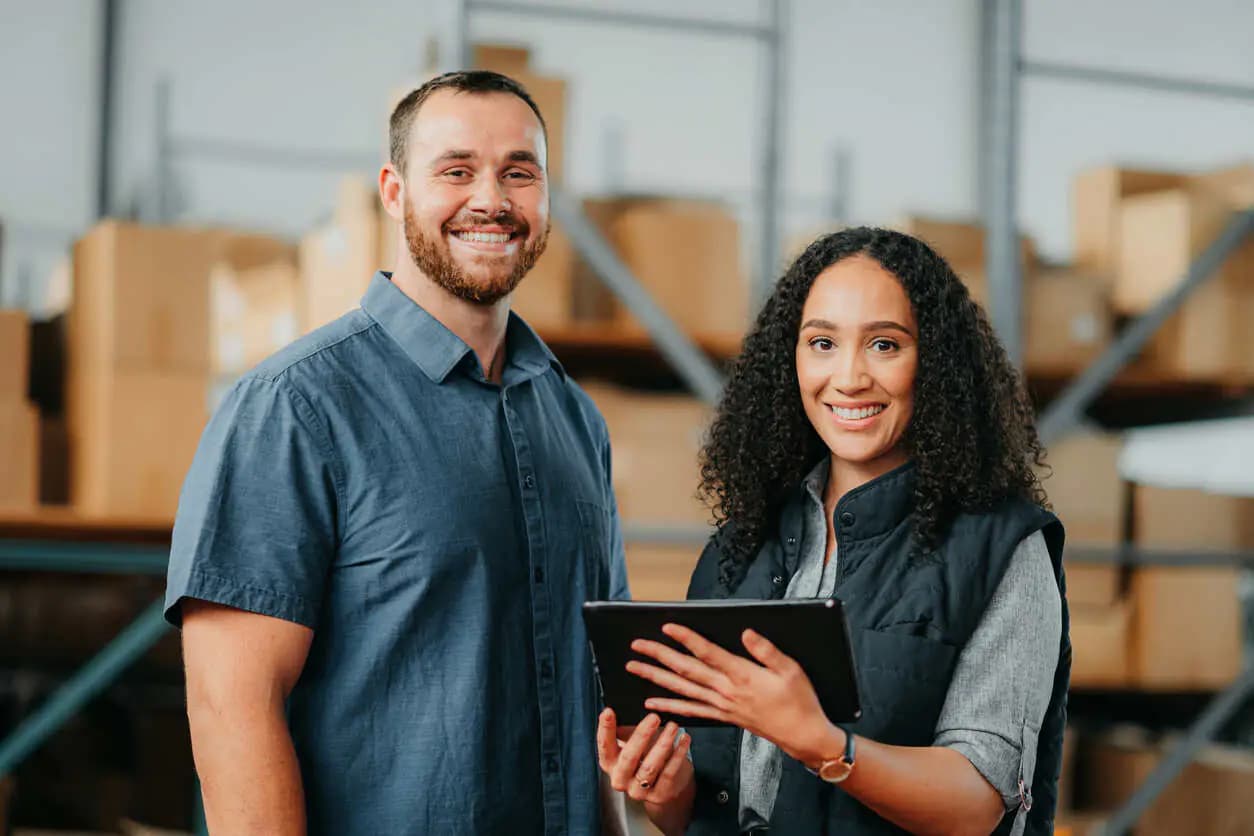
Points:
point(461, 81)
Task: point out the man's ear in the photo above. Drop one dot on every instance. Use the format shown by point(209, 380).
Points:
point(392, 192)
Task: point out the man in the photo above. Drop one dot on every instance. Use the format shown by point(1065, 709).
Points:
point(384, 541)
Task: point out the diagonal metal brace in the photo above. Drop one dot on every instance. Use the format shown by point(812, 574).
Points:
point(1067, 410)
point(81, 688)
point(1220, 710)
point(680, 351)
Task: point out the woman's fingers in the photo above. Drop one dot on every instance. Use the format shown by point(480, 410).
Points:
point(675, 762)
point(650, 769)
point(705, 650)
point(607, 740)
point(687, 666)
point(677, 684)
point(762, 649)
point(684, 708)
point(631, 752)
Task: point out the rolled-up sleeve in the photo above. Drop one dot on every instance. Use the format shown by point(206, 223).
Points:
point(257, 521)
point(1004, 678)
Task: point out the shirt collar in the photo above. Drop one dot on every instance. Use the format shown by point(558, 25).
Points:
point(433, 347)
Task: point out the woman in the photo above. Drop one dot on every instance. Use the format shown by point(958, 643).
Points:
point(874, 444)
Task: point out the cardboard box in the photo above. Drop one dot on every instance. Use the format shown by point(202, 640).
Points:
point(1100, 645)
point(338, 260)
point(962, 245)
point(660, 573)
point(19, 455)
point(132, 438)
point(141, 297)
point(1162, 234)
point(1186, 629)
point(253, 311)
point(1096, 195)
point(545, 297)
point(1210, 796)
point(14, 355)
point(1172, 518)
point(506, 59)
point(1083, 484)
point(655, 440)
point(1067, 321)
point(685, 253)
point(1234, 184)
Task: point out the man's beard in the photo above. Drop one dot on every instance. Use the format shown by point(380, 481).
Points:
point(433, 258)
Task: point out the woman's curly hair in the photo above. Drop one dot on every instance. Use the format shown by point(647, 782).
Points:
point(972, 436)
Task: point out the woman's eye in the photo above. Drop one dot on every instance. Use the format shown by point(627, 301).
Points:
point(822, 344)
point(883, 346)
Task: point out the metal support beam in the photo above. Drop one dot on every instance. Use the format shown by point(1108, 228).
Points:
point(104, 131)
point(163, 184)
point(679, 350)
point(81, 688)
point(1002, 255)
point(101, 558)
point(1067, 410)
point(1141, 81)
point(588, 14)
point(772, 190)
point(1204, 729)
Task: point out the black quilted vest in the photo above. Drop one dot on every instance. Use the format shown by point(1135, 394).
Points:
point(910, 616)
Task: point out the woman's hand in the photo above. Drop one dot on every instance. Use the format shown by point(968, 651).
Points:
point(773, 700)
point(651, 766)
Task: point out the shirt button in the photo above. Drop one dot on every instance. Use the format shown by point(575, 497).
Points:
point(529, 481)
point(847, 519)
point(551, 764)
point(777, 580)
point(723, 797)
point(792, 541)
point(539, 575)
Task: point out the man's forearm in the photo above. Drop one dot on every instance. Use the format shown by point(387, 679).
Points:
point(248, 771)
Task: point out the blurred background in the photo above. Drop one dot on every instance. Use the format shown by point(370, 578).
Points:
point(186, 187)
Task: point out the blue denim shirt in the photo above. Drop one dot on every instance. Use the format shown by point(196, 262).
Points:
point(438, 533)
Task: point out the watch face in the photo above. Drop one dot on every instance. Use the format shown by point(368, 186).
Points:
point(835, 771)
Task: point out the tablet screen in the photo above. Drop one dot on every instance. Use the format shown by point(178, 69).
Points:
point(812, 631)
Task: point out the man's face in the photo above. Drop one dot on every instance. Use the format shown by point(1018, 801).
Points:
point(476, 196)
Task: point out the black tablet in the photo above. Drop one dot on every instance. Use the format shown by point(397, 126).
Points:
point(812, 631)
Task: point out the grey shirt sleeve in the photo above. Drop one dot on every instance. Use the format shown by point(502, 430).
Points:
point(1005, 676)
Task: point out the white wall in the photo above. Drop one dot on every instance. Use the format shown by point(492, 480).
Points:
point(893, 85)
point(48, 145)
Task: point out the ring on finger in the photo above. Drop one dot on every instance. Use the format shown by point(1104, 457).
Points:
point(644, 780)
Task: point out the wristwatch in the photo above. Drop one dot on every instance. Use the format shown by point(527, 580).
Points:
point(838, 769)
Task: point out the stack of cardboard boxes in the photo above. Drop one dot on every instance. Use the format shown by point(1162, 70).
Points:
point(142, 352)
point(1209, 796)
point(1139, 231)
point(1137, 628)
point(655, 440)
point(19, 420)
point(1066, 316)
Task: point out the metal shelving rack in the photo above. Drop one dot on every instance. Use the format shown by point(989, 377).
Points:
point(1007, 67)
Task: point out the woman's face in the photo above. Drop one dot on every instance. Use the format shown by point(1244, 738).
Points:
point(857, 352)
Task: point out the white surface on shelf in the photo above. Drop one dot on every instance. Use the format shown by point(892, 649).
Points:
point(1212, 456)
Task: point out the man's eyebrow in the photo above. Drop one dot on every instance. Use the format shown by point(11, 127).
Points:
point(524, 157)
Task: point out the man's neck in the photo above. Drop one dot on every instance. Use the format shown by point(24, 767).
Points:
point(482, 327)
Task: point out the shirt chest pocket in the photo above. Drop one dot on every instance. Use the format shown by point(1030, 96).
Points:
point(903, 680)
